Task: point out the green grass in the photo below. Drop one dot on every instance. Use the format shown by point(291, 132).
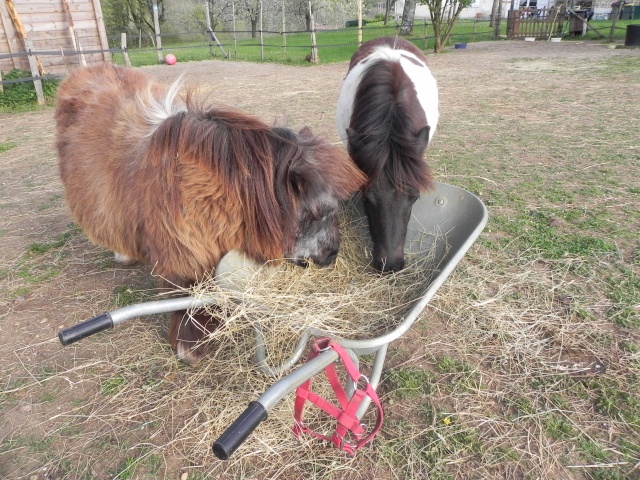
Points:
point(127, 295)
point(41, 262)
point(6, 146)
point(22, 95)
point(409, 383)
point(333, 45)
point(41, 248)
point(113, 385)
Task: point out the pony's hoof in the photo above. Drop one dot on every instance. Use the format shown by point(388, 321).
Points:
point(188, 335)
point(190, 354)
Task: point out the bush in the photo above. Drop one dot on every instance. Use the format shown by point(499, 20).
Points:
point(354, 23)
point(24, 93)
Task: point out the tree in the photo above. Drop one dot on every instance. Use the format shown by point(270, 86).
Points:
point(387, 9)
point(131, 16)
point(218, 12)
point(444, 14)
point(408, 14)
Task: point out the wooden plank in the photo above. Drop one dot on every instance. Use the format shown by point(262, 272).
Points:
point(15, 18)
point(48, 27)
point(37, 13)
point(53, 16)
point(29, 21)
point(102, 33)
point(88, 24)
point(9, 29)
point(72, 33)
point(17, 23)
point(37, 3)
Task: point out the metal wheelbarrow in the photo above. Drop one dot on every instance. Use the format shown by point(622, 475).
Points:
point(446, 208)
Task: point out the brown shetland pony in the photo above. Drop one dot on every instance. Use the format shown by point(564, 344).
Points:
point(179, 187)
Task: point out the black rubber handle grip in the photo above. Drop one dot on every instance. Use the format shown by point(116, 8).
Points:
point(86, 328)
point(239, 430)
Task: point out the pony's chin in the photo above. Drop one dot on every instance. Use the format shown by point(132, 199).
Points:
point(300, 262)
point(323, 263)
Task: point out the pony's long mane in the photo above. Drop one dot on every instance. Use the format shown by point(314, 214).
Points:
point(389, 124)
point(237, 148)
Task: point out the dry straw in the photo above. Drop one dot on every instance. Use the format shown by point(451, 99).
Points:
point(347, 300)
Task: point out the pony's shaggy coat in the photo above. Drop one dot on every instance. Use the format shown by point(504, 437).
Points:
point(179, 187)
point(387, 113)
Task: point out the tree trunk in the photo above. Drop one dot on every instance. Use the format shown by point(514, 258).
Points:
point(494, 12)
point(254, 27)
point(307, 21)
point(408, 14)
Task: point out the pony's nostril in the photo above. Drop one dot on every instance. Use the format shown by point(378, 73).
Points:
point(332, 257)
point(389, 267)
point(327, 259)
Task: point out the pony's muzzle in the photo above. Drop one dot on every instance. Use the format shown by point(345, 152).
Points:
point(384, 266)
point(327, 259)
point(324, 260)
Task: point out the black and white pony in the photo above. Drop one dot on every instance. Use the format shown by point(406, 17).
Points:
point(387, 113)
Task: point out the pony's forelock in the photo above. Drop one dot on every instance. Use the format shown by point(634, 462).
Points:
point(389, 145)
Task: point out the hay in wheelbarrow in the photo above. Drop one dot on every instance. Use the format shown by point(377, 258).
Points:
point(346, 300)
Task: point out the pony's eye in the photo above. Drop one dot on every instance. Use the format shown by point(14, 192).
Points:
point(368, 201)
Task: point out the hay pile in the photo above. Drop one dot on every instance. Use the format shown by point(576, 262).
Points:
point(347, 300)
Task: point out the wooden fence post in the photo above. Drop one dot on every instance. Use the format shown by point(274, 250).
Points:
point(359, 22)
point(104, 41)
point(235, 37)
point(72, 33)
point(496, 21)
point(284, 32)
point(261, 35)
point(616, 17)
point(123, 46)
point(314, 45)
point(156, 26)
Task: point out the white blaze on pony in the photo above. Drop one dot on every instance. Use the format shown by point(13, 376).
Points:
point(178, 188)
point(386, 115)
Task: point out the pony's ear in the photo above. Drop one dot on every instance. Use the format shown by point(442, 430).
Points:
point(422, 137)
point(305, 132)
point(304, 181)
